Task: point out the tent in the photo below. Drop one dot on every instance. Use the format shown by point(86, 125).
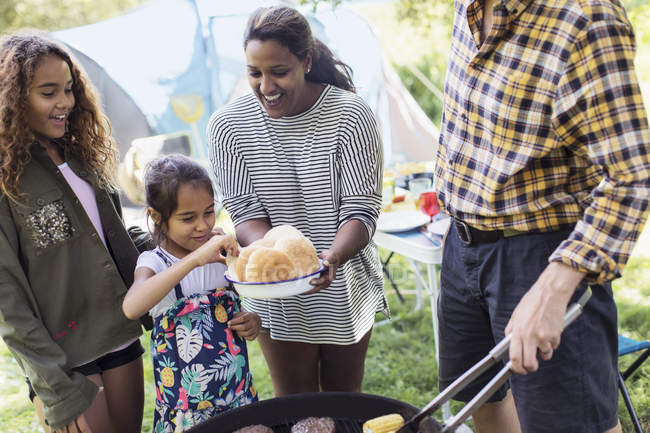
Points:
point(166, 66)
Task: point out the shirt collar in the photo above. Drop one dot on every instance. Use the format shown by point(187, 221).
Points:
point(515, 7)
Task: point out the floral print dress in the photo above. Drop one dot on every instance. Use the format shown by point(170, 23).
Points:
point(200, 366)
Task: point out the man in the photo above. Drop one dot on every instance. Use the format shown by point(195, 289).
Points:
point(544, 165)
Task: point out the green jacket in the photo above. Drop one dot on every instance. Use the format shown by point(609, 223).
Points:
point(61, 290)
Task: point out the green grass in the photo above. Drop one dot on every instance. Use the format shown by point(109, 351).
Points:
point(400, 362)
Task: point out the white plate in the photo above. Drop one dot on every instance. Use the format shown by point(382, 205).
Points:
point(439, 226)
point(401, 221)
point(277, 289)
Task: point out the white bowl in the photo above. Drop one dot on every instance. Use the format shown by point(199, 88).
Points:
point(275, 289)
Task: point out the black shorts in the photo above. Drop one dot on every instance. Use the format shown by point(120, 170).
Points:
point(104, 363)
point(481, 285)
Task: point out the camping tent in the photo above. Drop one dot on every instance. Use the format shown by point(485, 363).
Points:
point(167, 65)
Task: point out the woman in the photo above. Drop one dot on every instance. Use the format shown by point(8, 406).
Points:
point(304, 150)
point(66, 258)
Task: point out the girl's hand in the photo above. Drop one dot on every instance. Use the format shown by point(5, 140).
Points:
point(331, 261)
point(212, 251)
point(78, 425)
point(246, 324)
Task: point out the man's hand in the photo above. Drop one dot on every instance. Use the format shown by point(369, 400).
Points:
point(537, 321)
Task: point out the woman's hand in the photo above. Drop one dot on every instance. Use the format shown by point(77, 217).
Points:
point(246, 324)
point(331, 261)
point(212, 250)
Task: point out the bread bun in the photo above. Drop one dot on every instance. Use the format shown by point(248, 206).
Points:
point(301, 252)
point(283, 232)
point(244, 255)
point(267, 264)
point(240, 266)
point(282, 254)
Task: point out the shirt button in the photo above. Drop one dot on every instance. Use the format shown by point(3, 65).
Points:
point(107, 266)
point(83, 173)
point(94, 235)
point(40, 202)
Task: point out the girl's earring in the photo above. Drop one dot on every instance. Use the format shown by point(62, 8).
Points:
point(148, 228)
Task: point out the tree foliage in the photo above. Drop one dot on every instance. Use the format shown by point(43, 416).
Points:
point(52, 15)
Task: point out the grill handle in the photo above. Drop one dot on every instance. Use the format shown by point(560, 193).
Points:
point(496, 354)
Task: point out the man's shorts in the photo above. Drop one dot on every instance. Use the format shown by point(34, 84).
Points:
point(106, 362)
point(481, 284)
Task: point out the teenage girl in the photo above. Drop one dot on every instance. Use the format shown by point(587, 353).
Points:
point(197, 345)
point(66, 258)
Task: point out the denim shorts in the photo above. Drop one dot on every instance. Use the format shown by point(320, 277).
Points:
point(481, 284)
point(107, 362)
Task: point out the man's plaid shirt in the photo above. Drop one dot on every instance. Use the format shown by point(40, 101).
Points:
point(544, 126)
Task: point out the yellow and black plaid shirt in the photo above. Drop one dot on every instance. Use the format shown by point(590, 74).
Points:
point(544, 126)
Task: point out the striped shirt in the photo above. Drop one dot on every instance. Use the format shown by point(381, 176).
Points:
point(544, 126)
point(316, 171)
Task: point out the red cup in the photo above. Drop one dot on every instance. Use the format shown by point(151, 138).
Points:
point(428, 203)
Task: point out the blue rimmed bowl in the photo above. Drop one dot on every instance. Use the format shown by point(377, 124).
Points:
point(275, 289)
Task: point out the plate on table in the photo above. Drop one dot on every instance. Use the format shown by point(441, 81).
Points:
point(401, 221)
point(276, 289)
point(439, 226)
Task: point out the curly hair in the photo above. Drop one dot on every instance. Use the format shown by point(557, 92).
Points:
point(88, 131)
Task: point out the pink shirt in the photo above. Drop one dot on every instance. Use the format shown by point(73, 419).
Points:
point(86, 196)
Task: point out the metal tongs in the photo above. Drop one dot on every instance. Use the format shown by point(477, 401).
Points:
point(496, 354)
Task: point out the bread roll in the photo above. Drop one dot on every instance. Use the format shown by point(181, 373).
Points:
point(267, 264)
point(301, 252)
point(240, 266)
point(283, 232)
point(244, 255)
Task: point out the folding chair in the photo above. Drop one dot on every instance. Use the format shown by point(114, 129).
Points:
point(626, 346)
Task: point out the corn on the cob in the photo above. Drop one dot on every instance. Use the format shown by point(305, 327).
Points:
point(383, 424)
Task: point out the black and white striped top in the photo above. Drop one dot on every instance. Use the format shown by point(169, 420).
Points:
point(316, 171)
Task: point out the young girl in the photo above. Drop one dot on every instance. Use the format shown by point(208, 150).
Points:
point(199, 357)
point(66, 259)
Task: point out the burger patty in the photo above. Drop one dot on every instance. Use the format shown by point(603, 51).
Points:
point(314, 425)
point(257, 428)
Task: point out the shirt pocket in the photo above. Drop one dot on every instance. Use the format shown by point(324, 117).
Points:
point(47, 222)
point(335, 182)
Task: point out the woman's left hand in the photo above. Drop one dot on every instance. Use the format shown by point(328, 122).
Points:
point(331, 261)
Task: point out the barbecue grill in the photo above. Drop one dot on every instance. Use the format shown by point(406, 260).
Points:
point(349, 411)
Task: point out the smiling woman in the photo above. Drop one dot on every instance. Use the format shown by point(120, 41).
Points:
point(303, 149)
